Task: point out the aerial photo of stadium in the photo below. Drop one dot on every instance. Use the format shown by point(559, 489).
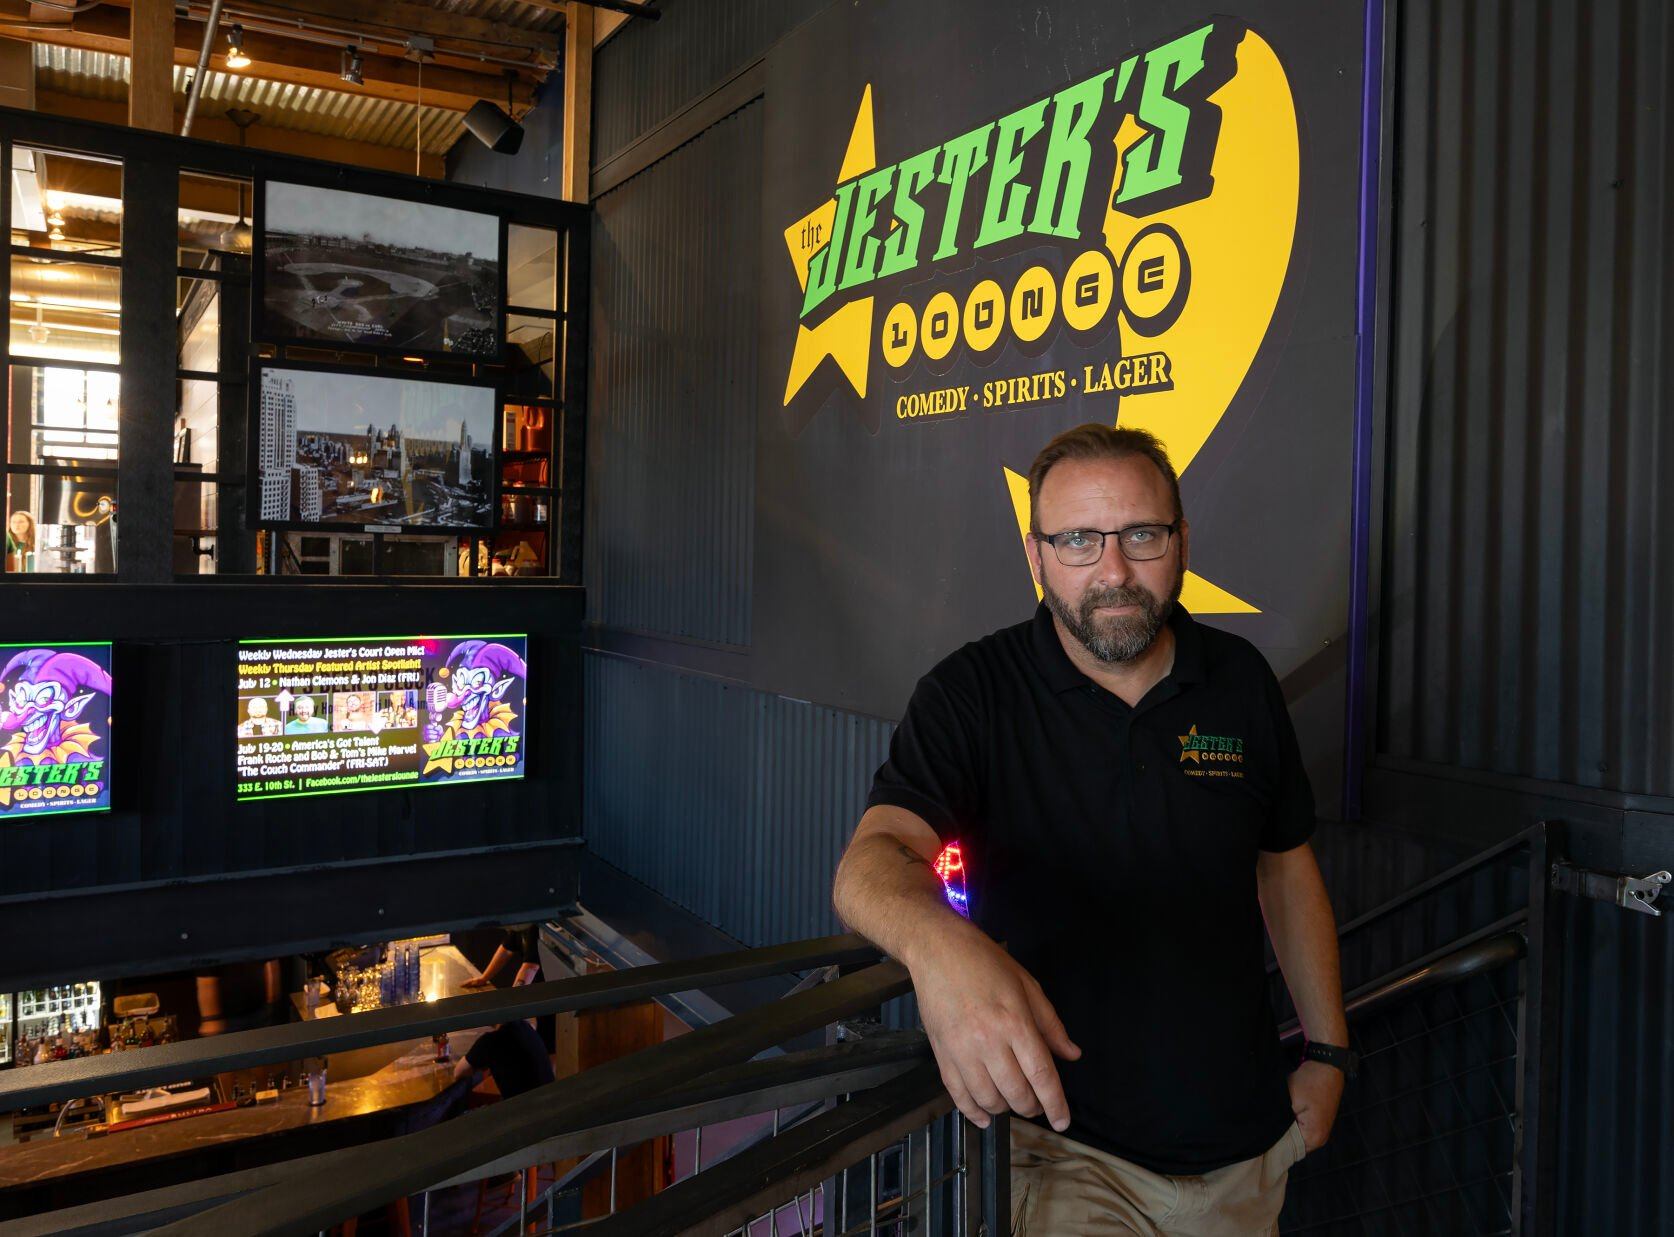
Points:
point(410, 275)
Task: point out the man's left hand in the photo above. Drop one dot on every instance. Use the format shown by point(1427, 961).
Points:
point(1316, 1089)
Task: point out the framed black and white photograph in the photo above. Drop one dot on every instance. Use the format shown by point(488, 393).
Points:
point(361, 271)
point(336, 448)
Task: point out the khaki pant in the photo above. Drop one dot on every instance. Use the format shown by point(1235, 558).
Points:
point(1061, 1187)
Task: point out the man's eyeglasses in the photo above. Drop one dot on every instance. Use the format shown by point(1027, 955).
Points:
point(1082, 547)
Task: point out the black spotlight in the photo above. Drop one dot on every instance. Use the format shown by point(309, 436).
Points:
point(493, 128)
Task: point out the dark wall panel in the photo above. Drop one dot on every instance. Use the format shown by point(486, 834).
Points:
point(733, 803)
point(671, 529)
point(1529, 551)
point(538, 166)
point(175, 829)
point(649, 71)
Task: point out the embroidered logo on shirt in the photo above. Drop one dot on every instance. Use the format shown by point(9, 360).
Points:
point(1213, 750)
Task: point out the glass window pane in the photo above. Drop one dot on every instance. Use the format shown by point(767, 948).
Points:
point(519, 554)
point(213, 220)
point(198, 323)
point(531, 267)
point(195, 520)
point(197, 427)
point(67, 202)
point(355, 556)
point(531, 369)
point(60, 524)
point(66, 311)
point(417, 556)
point(524, 511)
point(528, 428)
point(63, 415)
point(526, 474)
point(305, 554)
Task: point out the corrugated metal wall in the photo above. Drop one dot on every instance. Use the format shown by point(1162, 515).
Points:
point(1529, 540)
point(672, 416)
point(1616, 1147)
point(651, 70)
point(1529, 548)
point(752, 800)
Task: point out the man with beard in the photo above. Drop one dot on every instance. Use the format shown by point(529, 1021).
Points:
point(1130, 803)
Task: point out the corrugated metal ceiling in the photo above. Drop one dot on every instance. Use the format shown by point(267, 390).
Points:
point(512, 12)
point(282, 105)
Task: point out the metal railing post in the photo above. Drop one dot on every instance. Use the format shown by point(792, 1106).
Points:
point(1539, 1031)
point(996, 1176)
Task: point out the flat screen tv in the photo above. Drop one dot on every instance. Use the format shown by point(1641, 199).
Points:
point(319, 717)
point(54, 729)
point(344, 449)
point(356, 270)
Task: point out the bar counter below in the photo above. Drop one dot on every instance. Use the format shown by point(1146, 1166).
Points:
point(370, 1093)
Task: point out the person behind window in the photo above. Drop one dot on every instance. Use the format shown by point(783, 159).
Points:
point(513, 1053)
point(20, 540)
point(521, 941)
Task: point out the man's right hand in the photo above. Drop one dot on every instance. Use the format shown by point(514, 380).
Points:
point(993, 1030)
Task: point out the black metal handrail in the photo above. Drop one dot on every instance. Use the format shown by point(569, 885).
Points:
point(195, 1058)
point(794, 1078)
point(723, 1200)
point(1453, 964)
point(363, 1177)
point(1446, 877)
point(1441, 880)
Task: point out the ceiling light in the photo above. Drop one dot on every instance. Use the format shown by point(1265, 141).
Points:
point(55, 220)
point(352, 69)
point(236, 59)
point(237, 239)
point(56, 234)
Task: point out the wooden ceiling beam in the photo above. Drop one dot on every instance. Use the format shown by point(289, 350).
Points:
point(578, 102)
point(281, 59)
point(215, 128)
point(150, 65)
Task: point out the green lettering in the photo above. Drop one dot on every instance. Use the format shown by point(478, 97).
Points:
point(55, 775)
point(1069, 154)
point(822, 271)
point(1123, 77)
point(1153, 164)
point(962, 158)
point(862, 263)
point(1002, 210)
point(93, 770)
point(901, 248)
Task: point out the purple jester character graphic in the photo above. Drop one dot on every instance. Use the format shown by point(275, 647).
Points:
point(49, 691)
point(466, 717)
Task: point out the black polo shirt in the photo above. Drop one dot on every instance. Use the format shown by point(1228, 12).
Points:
point(514, 1054)
point(1113, 849)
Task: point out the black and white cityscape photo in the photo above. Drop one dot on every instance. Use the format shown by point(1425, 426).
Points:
point(380, 272)
point(337, 448)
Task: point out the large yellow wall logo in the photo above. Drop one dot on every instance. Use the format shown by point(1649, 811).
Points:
point(1144, 217)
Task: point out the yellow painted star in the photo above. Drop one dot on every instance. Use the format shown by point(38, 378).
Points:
point(1187, 752)
point(846, 335)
